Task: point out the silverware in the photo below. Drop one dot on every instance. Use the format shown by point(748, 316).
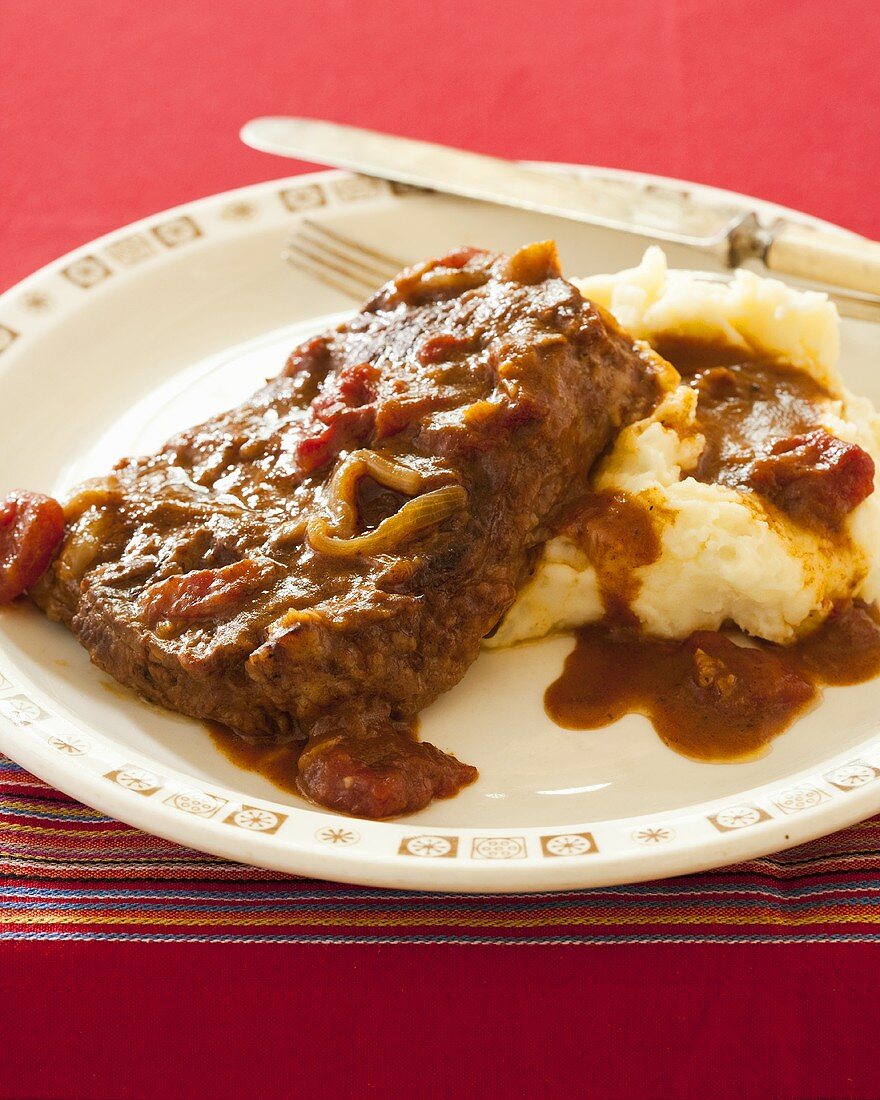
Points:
point(353, 269)
point(841, 260)
point(356, 269)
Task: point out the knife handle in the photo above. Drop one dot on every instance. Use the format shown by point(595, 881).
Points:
point(844, 261)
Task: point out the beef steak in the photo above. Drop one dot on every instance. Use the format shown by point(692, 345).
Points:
point(322, 561)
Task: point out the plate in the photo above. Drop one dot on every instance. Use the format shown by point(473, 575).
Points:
point(113, 347)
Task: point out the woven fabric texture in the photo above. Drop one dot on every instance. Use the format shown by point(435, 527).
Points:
point(69, 873)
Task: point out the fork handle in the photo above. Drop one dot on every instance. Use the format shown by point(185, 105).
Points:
point(850, 262)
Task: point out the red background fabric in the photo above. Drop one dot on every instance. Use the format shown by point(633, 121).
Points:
point(114, 111)
point(164, 1022)
point(110, 112)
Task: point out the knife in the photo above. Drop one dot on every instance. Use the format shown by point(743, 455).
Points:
point(729, 234)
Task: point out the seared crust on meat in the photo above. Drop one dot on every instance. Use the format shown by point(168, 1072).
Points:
point(216, 576)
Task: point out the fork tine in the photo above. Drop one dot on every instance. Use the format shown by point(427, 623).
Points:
point(351, 286)
point(338, 261)
point(323, 249)
point(357, 247)
point(306, 249)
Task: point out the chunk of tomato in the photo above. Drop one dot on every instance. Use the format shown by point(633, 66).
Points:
point(31, 529)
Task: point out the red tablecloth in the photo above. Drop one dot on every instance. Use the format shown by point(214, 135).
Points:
point(110, 112)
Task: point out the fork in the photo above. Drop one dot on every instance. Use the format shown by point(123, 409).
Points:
point(356, 270)
point(353, 269)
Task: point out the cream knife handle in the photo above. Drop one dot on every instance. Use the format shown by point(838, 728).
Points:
point(850, 262)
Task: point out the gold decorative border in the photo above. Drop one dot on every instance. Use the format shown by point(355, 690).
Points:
point(429, 846)
point(70, 744)
point(337, 836)
point(86, 272)
point(131, 250)
point(357, 188)
point(22, 711)
point(8, 336)
point(302, 197)
point(560, 845)
point(239, 211)
point(37, 302)
point(649, 835)
point(800, 798)
point(136, 779)
point(851, 776)
point(741, 816)
point(193, 801)
point(499, 847)
point(256, 819)
point(177, 231)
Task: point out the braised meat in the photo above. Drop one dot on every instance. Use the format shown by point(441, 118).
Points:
point(322, 561)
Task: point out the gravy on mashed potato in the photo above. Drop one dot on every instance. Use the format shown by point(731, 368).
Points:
point(745, 500)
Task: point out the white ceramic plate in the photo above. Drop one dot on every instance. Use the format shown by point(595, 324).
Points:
point(154, 327)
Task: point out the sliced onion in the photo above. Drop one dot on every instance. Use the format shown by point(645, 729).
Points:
point(98, 492)
point(391, 474)
point(417, 514)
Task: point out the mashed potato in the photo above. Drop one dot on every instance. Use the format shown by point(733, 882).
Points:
point(724, 555)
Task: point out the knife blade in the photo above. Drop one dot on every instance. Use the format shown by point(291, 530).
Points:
point(730, 235)
point(458, 172)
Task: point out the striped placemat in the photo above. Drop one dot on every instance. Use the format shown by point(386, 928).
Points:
point(69, 873)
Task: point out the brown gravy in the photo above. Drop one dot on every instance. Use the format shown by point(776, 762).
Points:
point(746, 404)
point(375, 502)
point(276, 762)
point(707, 697)
point(619, 534)
point(291, 765)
